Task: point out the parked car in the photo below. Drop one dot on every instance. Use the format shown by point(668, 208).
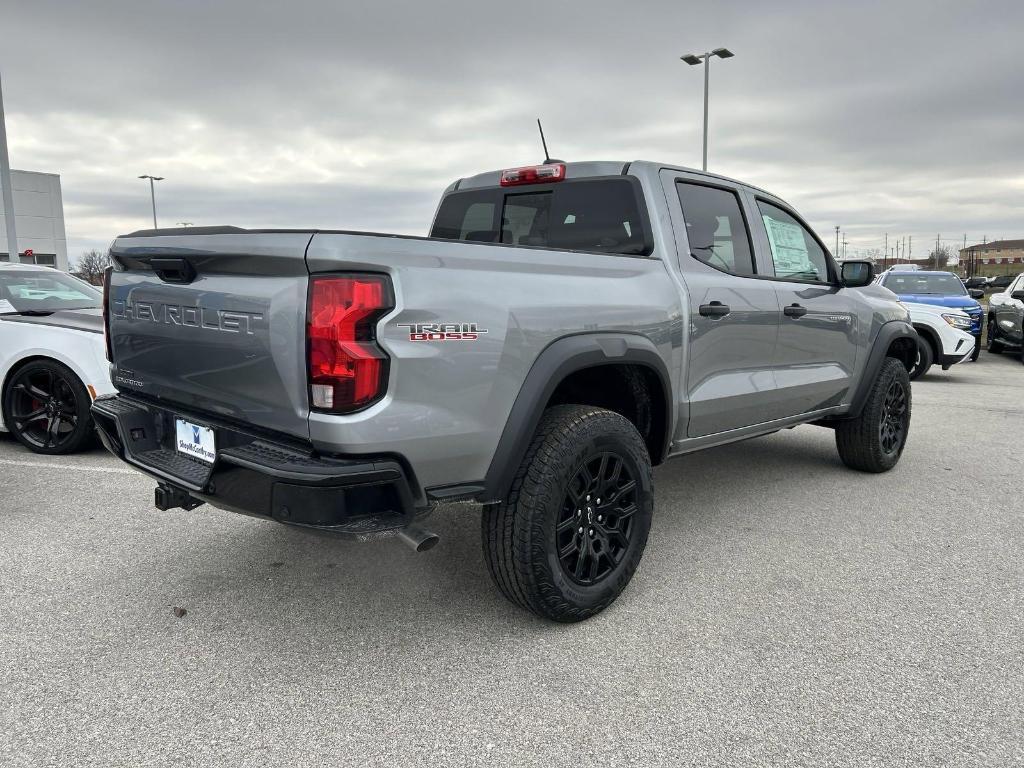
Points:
point(1006, 318)
point(52, 360)
point(563, 328)
point(942, 289)
point(944, 337)
point(999, 282)
point(975, 283)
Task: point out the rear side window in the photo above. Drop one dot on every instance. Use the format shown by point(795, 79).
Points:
point(715, 228)
point(602, 215)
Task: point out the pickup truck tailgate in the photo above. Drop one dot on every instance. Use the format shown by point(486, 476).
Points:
point(215, 323)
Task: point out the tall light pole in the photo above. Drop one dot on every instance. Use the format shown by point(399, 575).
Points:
point(693, 59)
point(152, 193)
point(5, 187)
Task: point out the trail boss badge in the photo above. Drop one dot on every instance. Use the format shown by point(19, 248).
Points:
point(443, 331)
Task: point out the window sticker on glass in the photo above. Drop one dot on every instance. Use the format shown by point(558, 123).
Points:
point(789, 249)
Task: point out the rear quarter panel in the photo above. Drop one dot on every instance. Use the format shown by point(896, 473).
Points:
point(448, 401)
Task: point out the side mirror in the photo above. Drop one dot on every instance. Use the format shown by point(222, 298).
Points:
point(857, 274)
point(1018, 295)
point(975, 293)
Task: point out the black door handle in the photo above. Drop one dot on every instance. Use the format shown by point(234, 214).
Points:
point(714, 309)
point(794, 310)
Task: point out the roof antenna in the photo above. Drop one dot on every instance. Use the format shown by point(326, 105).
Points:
point(547, 157)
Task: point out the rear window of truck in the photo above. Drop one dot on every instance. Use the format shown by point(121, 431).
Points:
point(600, 215)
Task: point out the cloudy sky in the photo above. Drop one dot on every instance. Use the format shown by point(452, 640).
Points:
point(898, 117)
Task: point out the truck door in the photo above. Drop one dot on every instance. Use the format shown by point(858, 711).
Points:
point(733, 315)
point(817, 343)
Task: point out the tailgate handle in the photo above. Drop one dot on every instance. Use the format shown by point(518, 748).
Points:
point(176, 270)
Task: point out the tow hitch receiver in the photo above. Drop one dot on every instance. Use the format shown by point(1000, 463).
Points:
point(167, 496)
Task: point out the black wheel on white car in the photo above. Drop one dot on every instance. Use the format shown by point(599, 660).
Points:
point(925, 358)
point(571, 533)
point(46, 408)
point(874, 441)
point(992, 341)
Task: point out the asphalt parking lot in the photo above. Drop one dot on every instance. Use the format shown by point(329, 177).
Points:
point(788, 611)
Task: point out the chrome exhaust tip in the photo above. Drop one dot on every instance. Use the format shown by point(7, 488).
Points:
point(417, 538)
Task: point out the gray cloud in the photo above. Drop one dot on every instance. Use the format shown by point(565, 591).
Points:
point(881, 117)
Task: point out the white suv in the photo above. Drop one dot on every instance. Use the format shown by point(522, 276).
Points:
point(944, 333)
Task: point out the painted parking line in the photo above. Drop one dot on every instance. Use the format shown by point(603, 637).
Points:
point(68, 467)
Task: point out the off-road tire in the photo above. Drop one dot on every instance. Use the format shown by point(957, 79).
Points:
point(860, 440)
point(520, 539)
point(925, 358)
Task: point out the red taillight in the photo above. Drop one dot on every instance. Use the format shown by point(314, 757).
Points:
point(106, 313)
point(533, 174)
point(347, 370)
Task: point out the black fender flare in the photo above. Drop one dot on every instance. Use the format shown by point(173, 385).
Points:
point(558, 360)
point(888, 334)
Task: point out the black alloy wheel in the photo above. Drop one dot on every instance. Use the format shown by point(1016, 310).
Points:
point(47, 408)
point(596, 521)
point(570, 534)
point(893, 425)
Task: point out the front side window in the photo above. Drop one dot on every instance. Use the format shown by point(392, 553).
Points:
point(599, 215)
point(45, 291)
point(796, 255)
point(715, 228)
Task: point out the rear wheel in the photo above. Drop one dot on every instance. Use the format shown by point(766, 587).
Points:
point(46, 408)
point(570, 535)
point(874, 441)
point(925, 358)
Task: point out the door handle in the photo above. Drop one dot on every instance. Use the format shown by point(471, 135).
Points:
point(794, 310)
point(714, 309)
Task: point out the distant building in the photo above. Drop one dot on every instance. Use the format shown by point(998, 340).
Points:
point(39, 219)
point(1000, 257)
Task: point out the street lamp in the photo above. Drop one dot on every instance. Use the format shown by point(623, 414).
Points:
point(152, 193)
point(693, 60)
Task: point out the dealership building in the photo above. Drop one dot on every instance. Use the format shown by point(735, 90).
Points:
point(39, 219)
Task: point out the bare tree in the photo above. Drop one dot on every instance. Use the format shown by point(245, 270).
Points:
point(940, 257)
point(91, 265)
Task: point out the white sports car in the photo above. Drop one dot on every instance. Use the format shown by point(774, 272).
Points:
point(52, 357)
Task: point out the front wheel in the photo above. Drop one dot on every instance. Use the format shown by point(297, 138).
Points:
point(992, 342)
point(568, 538)
point(46, 408)
point(925, 358)
point(874, 441)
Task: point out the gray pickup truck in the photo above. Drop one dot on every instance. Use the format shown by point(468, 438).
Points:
point(563, 328)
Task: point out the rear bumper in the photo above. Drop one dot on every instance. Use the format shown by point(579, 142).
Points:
point(259, 475)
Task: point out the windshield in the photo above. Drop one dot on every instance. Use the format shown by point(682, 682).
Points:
point(44, 291)
point(937, 285)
